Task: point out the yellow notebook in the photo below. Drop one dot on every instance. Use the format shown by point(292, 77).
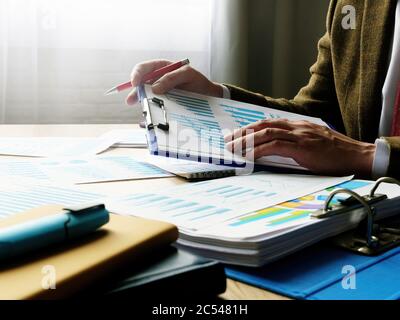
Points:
point(60, 272)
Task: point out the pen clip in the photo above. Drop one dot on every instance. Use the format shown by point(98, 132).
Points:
point(147, 114)
point(82, 209)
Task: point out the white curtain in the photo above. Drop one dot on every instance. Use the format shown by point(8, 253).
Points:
point(229, 41)
point(266, 45)
point(57, 57)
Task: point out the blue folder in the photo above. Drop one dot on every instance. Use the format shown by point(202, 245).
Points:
point(317, 273)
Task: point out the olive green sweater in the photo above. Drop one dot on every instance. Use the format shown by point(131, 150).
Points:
point(345, 88)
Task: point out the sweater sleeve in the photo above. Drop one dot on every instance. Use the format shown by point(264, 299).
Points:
point(394, 160)
point(318, 98)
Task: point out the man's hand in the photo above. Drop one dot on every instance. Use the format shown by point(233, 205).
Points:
point(317, 148)
point(185, 78)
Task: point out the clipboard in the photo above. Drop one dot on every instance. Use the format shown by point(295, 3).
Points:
point(164, 124)
point(158, 123)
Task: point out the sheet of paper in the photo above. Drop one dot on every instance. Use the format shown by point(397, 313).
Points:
point(17, 197)
point(54, 146)
point(82, 170)
point(127, 138)
point(287, 215)
point(198, 125)
point(202, 204)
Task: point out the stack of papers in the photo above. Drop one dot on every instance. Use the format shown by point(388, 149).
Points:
point(267, 235)
point(250, 220)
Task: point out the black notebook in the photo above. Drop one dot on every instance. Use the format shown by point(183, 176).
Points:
point(170, 274)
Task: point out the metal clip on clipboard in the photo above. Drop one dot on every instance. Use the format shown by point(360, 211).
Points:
point(147, 113)
point(369, 238)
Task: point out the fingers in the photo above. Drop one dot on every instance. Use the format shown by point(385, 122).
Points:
point(132, 97)
point(281, 148)
point(259, 125)
point(173, 79)
point(268, 123)
point(141, 69)
point(249, 142)
point(138, 72)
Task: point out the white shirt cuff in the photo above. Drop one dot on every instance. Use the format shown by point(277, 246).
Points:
point(381, 159)
point(226, 93)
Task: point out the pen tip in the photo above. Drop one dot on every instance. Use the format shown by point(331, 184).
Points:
point(110, 92)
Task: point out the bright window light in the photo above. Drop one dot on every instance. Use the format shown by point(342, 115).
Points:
point(66, 52)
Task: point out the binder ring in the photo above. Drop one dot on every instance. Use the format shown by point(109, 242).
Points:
point(382, 180)
point(371, 240)
point(349, 192)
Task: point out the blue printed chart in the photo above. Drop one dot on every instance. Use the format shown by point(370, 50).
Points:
point(206, 203)
point(199, 118)
point(284, 215)
point(197, 106)
point(18, 198)
point(246, 116)
point(239, 115)
point(82, 170)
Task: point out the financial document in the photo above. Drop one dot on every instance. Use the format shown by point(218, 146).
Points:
point(17, 197)
point(198, 124)
point(81, 170)
point(54, 146)
point(202, 204)
point(285, 215)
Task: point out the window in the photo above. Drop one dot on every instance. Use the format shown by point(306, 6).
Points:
point(57, 57)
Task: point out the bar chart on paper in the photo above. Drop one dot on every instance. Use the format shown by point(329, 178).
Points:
point(202, 204)
point(282, 216)
point(191, 212)
point(199, 107)
point(199, 123)
point(244, 117)
point(18, 198)
point(198, 117)
point(82, 170)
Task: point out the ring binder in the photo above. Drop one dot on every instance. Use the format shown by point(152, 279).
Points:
point(379, 237)
point(382, 180)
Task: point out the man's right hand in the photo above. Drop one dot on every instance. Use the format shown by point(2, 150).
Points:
point(185, 78)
